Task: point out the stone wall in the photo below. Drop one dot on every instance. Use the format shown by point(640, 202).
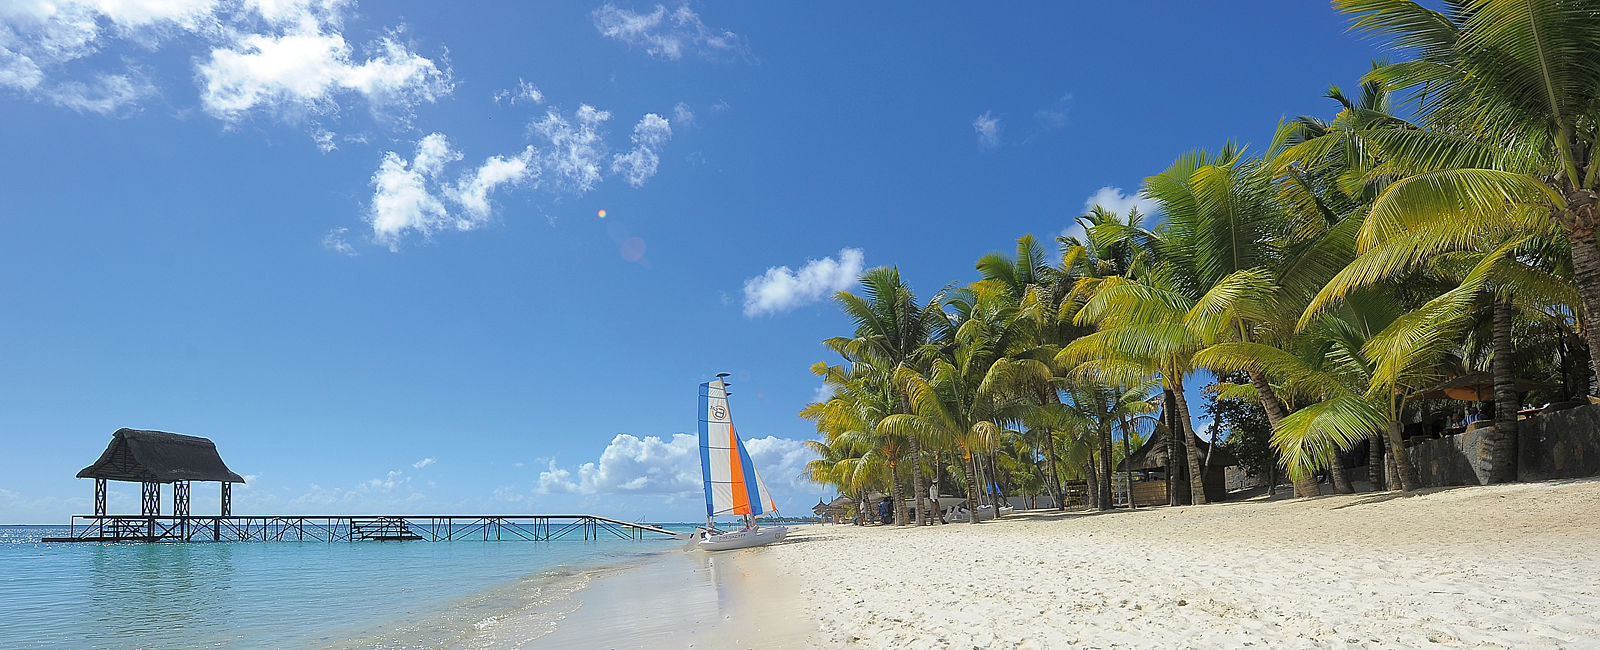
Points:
point(1563, 444)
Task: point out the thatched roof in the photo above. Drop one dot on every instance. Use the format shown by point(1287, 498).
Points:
point(1153, 453)
point(159, 457)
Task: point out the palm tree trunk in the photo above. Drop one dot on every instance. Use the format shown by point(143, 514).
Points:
point(1127, 463)
point(897, 494)
point(917, 490)
point(1105, 467)
point(1375, 461)
point(1499, 449)
point(1586, 272)
point(1091, 489)
point(1197, 485)
point(1404, 470)
point(1276, 412)
point(1174, 434)
point(1338, 475)
point(1053, 481)
point(972, 484)
point(1050, 396)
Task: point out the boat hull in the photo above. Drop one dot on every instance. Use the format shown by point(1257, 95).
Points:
point(742, 538)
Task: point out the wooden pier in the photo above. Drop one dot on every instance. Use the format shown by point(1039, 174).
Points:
point(353, 528)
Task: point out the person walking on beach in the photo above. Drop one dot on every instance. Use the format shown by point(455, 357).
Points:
point(933, 503)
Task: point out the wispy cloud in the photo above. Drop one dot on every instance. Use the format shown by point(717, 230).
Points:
point(781, 289)
point(682, 115)
point(574, 152)
point(668, 34)
point(422, 463)
point(335, 241)
point(987, 126)
point(641, 162)
point(525, 92)
point(1054, 116)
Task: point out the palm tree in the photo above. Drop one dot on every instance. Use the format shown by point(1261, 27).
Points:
point(861, 399)
point(890, 329)
point(1510, 93)
point(1039, 292)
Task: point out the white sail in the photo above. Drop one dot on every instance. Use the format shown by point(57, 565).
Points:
point(732, 485)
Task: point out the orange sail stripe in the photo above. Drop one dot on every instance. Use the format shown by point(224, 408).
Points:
point(741, 494)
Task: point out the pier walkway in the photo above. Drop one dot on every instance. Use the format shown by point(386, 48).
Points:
point(352, 528)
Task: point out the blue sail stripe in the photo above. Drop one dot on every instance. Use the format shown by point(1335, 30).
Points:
point(751, 485)
point(705, 443)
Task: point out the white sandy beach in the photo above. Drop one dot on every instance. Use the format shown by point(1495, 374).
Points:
point(1484, 567)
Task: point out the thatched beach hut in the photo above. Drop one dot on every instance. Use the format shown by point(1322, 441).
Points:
point(1159, 482)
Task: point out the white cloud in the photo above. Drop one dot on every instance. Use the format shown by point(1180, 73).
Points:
point(781, 289)
point(631, 465)
point(335, 241)
point(682, 115)
point(663, 33)
point(401, 198)
point(988, 128)
point(576, 152)
point(306, 68)
point(523, 93)
point(411, 196)
point(283, 56)
point(1112, 198)
point(639, 164)
point(422, 463)
point(472, 192)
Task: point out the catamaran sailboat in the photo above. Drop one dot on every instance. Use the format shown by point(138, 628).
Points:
point(732, 485)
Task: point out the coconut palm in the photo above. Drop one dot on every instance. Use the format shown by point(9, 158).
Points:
point(891, 327)
point(1510, 91)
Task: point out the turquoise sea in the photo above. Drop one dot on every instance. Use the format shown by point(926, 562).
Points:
point(291, 594)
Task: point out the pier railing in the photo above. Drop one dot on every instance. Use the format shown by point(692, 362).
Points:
point(352, 528)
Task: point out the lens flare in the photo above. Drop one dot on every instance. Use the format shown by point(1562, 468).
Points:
point(602, 214)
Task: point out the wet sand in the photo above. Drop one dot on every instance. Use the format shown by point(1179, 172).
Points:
point(688, 599)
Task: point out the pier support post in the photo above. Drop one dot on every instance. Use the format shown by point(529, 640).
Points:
point(227, 499)
point(99, 497)
point(150, 500)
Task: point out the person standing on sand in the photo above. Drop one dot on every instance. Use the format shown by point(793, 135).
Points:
point(933, 503)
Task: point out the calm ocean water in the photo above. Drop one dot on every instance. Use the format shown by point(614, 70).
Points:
point(287, 594)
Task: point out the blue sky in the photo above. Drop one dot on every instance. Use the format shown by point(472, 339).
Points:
point(359, 246)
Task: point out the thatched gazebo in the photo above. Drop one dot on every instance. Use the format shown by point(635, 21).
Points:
point(155, 457)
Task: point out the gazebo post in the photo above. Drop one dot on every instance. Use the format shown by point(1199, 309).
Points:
point(150, 501)
point(227, 499)
point(180, 498)
point(99, 497)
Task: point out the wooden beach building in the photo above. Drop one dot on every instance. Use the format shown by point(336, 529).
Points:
point(1157, 482)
